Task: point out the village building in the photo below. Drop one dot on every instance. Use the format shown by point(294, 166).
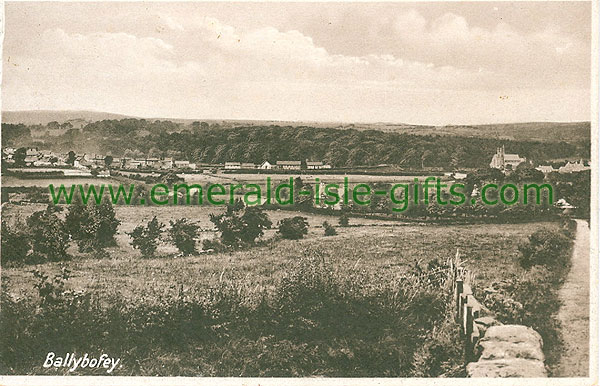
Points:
point(116, 163)
point(266, 166)
point(232, 165)
point(316, 165)
point(32, 152)
point(573, 167)
point(153, 163)
point(182, 164)
point(289, 165)
point(546, 169)
point(248, 165)
point(505, 161)
point(167, 163)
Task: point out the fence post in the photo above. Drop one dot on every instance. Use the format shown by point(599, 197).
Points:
point(459, 290)
point(469, 332)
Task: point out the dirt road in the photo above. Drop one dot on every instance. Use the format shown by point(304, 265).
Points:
point(574, 313)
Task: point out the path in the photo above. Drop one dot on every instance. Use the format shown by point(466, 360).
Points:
point(574, 312)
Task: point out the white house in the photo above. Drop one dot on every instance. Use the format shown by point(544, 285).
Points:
point(266, 166)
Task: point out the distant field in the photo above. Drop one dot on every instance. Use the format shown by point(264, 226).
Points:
point(384, 248)
point(45, 182)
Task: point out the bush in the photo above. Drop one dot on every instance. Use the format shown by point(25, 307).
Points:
point(344, 220)
point(293, 228)
point(329, 229)
point(15, 244)
point(48, 235)
point(545, 247)
point(183, 235)
point(146, 238)
point(241, 225)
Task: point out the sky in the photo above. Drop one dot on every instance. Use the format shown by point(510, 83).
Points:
point(422, 63)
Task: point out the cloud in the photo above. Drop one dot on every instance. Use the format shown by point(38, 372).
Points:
point(196, 65)
point(538, 59)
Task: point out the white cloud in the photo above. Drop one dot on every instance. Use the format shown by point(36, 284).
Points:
point(199, 66)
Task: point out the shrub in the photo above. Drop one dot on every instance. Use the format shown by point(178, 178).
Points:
point(329, 229)
point(344, 220)
point(183, 235)
point(15, 243)
point(293, 228)
point(146, 238)
point(545, 247)
point(241, 225)
point(48, 235)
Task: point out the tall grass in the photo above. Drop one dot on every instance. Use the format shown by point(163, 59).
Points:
point(315, 321)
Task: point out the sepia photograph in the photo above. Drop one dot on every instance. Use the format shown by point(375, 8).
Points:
point(268, 193)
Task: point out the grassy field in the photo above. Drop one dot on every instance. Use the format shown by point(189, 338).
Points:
point(386, 248)
point(321, 306)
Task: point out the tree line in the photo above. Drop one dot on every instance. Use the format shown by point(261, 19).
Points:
point(203, 143)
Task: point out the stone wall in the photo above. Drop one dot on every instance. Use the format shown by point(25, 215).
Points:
point(491, 348)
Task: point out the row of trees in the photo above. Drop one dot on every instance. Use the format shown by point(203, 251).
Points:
point(46, 234)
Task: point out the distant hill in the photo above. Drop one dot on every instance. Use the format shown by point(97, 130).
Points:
point(571, 132)
point(42, 117)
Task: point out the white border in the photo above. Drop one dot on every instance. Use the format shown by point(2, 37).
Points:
point(594, 280)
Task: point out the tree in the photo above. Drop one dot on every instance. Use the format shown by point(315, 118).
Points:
point(19, 156)
point(241, 225)
point(48, 235)
point(293, 228)
point(71, 158)
point(92, 226)
point(53, 125)
point(302, 201)
point(146, 238)
point(183, 235)
point(108, 160)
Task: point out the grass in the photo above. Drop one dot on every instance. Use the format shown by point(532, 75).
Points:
point(386, 248)
point(264, 311)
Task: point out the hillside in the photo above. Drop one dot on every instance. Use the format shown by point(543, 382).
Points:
point(339, 147)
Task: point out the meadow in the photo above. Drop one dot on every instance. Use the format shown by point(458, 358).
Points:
point(343, 305)
point(386, 248)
